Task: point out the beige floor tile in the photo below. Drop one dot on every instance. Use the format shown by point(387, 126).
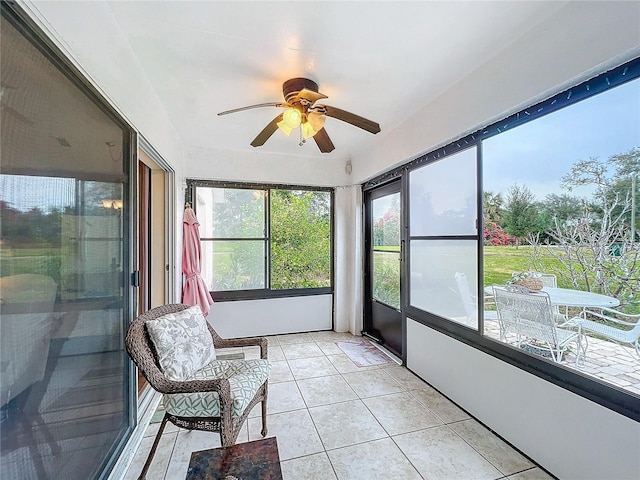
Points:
point(310, 402)
point(331, 336)
point(189, 441)
point(401, 413)
point(294, 338)
point(280, 372)
point(499, 453)
point(282, 397)
point(347, 423)
point(311, 467)
point(301, 350)
point(228, 351)
point(343, 364)
point(404, 377)
point(311, 367)
point(252, 352)
point(160, 459)
point(329, 348)
point(372, 383)
point(275, 353)
point(296, 434)
point(152, 429)
point(438, 453)
point(440, 405)
point(372, 460)
point(325, 390)
point(532, 474)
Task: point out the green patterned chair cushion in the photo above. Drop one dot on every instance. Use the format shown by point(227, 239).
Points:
point(245, 378)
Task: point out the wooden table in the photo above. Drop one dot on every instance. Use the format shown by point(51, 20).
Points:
point(257, 460)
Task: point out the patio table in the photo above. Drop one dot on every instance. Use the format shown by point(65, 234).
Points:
point(567, 297)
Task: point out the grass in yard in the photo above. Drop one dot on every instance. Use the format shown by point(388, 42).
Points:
point(387, 248)
point(501, 262)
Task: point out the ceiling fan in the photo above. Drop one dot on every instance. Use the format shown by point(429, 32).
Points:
point(300, 97)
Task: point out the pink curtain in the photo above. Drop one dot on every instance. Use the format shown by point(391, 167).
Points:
point(194, 290)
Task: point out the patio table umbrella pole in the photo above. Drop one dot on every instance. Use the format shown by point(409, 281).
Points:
point(194, 290)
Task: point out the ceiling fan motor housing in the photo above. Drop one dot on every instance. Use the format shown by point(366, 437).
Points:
point(293, 86)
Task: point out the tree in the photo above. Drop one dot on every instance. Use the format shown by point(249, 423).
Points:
point(594, 248)
point(520, 216)
point(492, 206)
point(300, 239)
point(563, 207)
point(611, 187)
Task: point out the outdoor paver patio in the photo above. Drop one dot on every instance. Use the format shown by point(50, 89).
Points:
point(608, 361)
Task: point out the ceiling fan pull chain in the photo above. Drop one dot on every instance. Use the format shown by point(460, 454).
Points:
point(302, 140)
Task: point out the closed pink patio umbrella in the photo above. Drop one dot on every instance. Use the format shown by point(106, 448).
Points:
point(194, 290)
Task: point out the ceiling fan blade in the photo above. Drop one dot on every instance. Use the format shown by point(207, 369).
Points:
point(323, 141)
point(310, 95)
point(259, 105)
point(353, 119)
point(266, 132)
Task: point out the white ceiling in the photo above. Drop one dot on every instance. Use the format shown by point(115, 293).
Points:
point(427, 71)
point(380, 60)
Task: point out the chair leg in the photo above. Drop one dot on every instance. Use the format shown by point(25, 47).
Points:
point(147, 464)
point(46, 433)
point(264, 411)
point(33, 448)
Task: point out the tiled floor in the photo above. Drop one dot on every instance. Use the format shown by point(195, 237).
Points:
point(335, 420)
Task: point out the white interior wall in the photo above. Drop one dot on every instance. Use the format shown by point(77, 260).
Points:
point(257, 167)
point(348, 260)
point(595, 36)
point(271, 316)
point(568, 435)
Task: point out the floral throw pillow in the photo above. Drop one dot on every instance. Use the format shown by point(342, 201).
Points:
point(183, 342)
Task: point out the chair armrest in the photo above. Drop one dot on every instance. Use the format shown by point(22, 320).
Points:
point(243, 342)
point(609, 318)
point(571, 323)
point(218, 385)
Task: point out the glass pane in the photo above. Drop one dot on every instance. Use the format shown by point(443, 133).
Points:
point(231, 212)
point(443, 279)
point(300, 239)
point(558, 201)
point(234, 265)
point(443, 196)
point(386, 249)
point(64, 389)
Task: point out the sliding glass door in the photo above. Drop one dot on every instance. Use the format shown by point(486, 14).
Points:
point(65, 388)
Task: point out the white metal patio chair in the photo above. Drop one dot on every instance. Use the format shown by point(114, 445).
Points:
point(528, 319)
point(550, 280)
point(613, 325)
point(469, 301)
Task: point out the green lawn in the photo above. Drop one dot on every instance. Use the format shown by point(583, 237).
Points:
point(387, 248)
point(501, 262)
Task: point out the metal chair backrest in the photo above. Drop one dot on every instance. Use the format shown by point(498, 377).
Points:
point(525, 314)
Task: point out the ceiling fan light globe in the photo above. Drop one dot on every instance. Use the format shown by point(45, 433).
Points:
point(284, 128)
point(316, 120)
point(292, 118)
point(307, 130)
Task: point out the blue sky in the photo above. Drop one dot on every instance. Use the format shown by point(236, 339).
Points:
point(540, 152)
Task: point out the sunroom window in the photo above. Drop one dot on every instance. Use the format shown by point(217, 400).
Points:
point(264, 241)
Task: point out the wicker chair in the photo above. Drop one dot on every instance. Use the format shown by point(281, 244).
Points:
point(142, 351)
